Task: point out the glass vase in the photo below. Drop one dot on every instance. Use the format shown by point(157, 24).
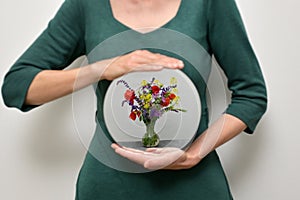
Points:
point(151, 138)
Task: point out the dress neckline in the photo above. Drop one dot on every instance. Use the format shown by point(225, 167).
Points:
point(137, 30)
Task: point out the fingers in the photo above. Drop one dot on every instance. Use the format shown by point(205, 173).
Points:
point(137, 151)
point(146, 60)
point(159, 59)
point(153, 150)
point(134, 155)
point(163, 150)
point(115, 146)
point(147, 68)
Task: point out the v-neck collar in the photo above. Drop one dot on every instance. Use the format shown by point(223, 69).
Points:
point(137, 30)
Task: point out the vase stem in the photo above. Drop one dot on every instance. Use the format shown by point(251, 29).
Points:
point(150, 128)
point(150, 139)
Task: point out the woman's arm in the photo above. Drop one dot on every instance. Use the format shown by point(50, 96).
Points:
point(56, 48)
point(52, 84)
point(224, 129)
point(38, 77)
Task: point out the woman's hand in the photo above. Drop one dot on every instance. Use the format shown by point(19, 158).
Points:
point(139, 60)
point(159, 158)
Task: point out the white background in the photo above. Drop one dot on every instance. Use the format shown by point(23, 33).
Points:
point(41, 153)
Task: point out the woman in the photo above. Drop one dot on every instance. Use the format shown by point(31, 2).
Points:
point(80, 25)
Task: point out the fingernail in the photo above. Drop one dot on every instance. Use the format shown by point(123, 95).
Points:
point(180, 63)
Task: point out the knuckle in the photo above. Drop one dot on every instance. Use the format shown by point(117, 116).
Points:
point(138, 52)
point(132, 58)
point(144, 51)
point(164, 57)
point(160, 55)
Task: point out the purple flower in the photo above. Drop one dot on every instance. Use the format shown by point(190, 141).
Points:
point(155, 112)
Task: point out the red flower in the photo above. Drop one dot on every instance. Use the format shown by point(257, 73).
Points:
point(129, 95)
point(155, 89)
point(132, 116)
point(166, 102)
point(172, 96)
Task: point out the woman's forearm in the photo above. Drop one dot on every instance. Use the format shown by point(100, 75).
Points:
point(49, 85)
point(221, 131)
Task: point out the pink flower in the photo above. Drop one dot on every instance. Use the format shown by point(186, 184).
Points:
point(129, 95)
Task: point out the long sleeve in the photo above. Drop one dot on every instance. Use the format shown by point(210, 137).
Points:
point(232, 50)
point(60, 44)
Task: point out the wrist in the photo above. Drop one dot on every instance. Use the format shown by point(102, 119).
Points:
point(96, 71)
point(192, 158)
point(102, 71)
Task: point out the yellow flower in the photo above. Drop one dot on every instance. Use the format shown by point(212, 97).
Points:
point(174, 90)
point(144, 83)
point(176, 99)
point(173, 81)
point(157, 82)
point(142, 97)
point(147, 105)
point(148, 97)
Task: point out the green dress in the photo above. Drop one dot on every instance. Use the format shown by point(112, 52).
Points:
point(80, 25)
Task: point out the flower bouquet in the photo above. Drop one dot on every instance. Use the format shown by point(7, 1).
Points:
point(149, 102)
